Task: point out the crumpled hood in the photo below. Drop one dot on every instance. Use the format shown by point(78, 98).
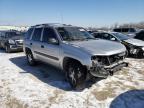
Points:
point(135, 42)
point(100, 47)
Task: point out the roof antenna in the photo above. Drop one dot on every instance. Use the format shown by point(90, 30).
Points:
point(61, 18)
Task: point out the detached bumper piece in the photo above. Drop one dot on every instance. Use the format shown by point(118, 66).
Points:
point(105, 71)
point(117, 67)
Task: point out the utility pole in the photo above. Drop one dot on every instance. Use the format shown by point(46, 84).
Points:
point(61, 18)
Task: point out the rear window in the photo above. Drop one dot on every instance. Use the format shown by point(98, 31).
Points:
point(37, 34)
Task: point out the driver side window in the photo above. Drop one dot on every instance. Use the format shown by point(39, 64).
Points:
point(48, 34)
point(109, 37)
point(106, 36)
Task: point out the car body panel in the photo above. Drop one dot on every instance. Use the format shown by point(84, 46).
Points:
point(100, 47)
point(135, 42)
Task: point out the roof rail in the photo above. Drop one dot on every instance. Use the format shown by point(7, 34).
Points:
point(51, 24)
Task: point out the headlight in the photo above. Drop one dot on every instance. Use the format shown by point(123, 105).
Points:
point(143, 48)
point(93, 58)
point(11, 41)
point(133, 50)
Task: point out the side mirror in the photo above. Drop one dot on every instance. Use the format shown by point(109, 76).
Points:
point(53, 41)
point(113, 39)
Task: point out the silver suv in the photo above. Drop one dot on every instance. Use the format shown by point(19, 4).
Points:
point(73, 50)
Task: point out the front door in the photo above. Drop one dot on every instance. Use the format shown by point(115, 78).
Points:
point(50, 48)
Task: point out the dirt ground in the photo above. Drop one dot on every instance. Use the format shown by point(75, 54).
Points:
point(43, 86)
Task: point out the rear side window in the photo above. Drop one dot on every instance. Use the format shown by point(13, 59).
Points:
point(48, 33)
point(97, 35)
point(2, 34)
point(117, 30)
point(29, 33)
point(125, 30)
point(132, 30)
point(106, 36)
point(140, 35)
point(37, 34)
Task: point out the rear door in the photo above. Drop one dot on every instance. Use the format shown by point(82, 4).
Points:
point(35, 42)
point(27, 38)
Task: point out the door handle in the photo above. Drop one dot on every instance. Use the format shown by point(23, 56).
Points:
point(30, 43)
point(42, 46)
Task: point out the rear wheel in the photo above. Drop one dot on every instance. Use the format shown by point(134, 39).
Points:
point(76, 74)
point(30, 58)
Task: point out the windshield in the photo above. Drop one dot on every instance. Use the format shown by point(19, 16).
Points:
point(121, 36)
point(74, 33)
point(12, 34)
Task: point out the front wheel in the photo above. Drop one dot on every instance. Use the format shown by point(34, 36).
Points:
point(7, 49)
point(76, 74)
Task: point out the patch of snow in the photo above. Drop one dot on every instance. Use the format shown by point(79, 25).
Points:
point(43, 86)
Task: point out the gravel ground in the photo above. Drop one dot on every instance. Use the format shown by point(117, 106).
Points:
point(43, 86)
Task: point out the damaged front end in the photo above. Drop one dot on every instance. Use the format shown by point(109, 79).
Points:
point(103, 66)
point(134, 51)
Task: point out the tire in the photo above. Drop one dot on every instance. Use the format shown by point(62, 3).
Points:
point(7, 49)
point(0, 45)
point(30, 58)
point(76, 74)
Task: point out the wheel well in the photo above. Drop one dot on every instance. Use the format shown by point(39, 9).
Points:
point(27, 50)
point(6, 43)
point(67, 60)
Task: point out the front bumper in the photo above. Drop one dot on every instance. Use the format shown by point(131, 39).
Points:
point(105, 71)
point(16, 47)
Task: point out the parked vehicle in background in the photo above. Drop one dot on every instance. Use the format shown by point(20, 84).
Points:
point(92, 31)
point(131, 32)
point(73, 50)
point(11, 40)
point(140, 35)
point(134, 47)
